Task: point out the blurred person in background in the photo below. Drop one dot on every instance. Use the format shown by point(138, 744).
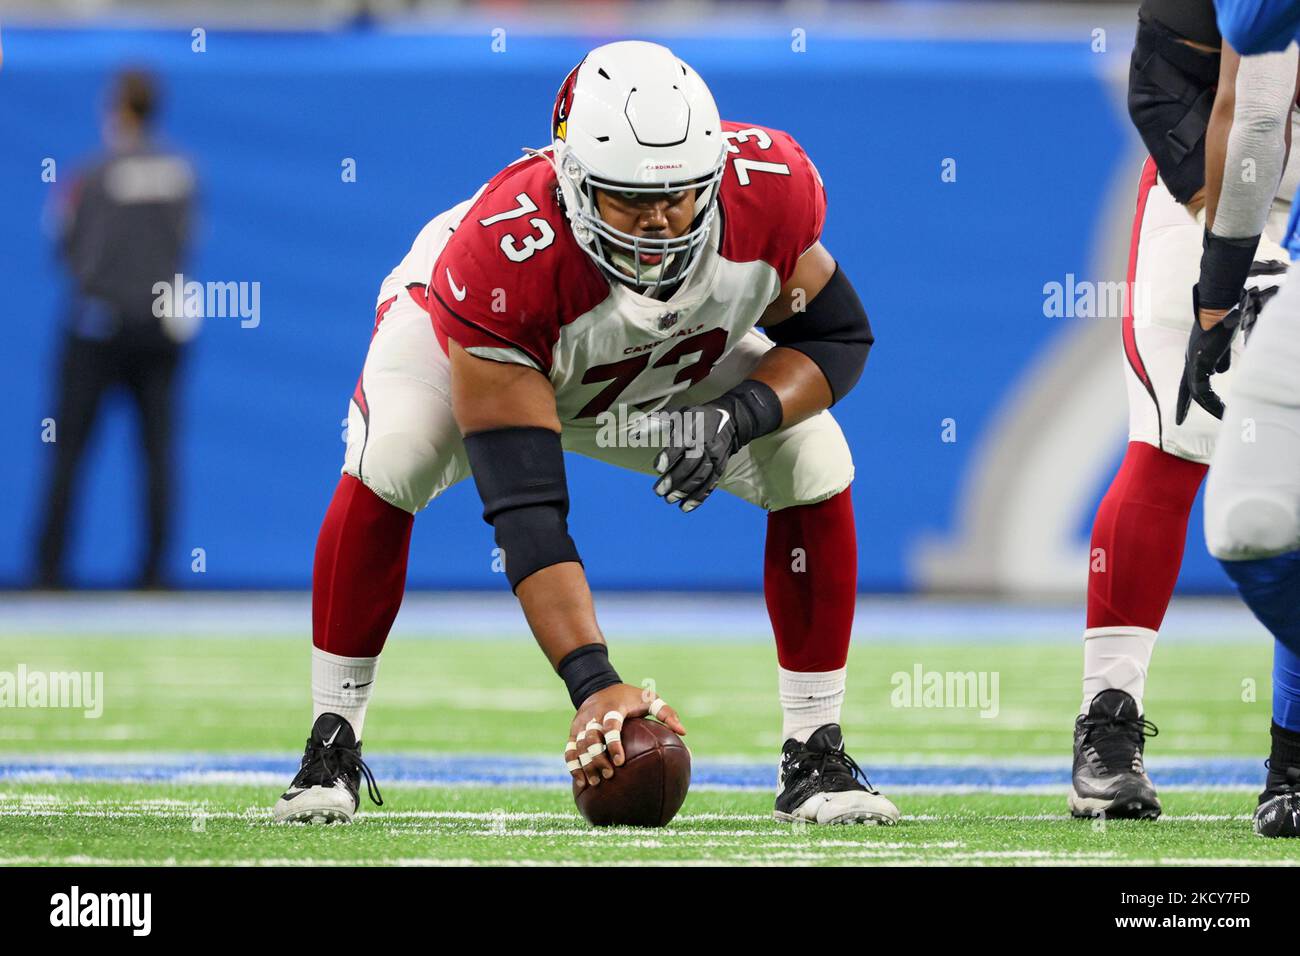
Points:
point(1197, 272)
point(1252, 498)
point(123, 228)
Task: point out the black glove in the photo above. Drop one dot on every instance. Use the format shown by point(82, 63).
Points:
point(1252, 302)
point(700, 440)
point(1208, 352)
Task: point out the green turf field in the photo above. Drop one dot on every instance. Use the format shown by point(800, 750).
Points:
point(97, 824)
point(495, 702)
point(499, 696)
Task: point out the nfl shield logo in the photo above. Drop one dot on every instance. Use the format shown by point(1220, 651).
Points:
point(668, 320)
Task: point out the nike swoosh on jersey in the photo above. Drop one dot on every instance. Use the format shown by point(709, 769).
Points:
point(457, 291)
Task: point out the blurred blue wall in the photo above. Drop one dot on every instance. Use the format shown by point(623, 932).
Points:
point(951, 273)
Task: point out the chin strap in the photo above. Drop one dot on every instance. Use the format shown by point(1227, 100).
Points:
point(623, 258)
point(571, 204)
point(568, 201)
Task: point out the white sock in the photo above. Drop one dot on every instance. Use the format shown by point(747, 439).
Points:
point(342, 685)
point(1116, 658)
point(809, 699)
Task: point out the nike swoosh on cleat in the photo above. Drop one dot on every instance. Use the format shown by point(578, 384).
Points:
point(330, 742)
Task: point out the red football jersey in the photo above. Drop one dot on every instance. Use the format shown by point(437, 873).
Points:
point(511, 282)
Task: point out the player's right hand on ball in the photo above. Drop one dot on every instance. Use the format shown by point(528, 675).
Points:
point(594, 748)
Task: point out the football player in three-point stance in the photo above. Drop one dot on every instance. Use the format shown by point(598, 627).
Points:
point(1186, 272)
point(621, 270)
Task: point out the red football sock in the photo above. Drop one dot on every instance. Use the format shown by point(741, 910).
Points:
point(360, 571)
point(810, 581)
point(1138, 538)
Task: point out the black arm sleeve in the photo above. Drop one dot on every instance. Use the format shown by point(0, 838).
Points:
point(833, 331)
point(519, 473)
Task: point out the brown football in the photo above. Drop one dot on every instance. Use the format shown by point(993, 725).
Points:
point(648, 790)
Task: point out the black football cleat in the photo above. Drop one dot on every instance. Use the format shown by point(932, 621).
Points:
point(326, 789)
point(1109, 779)
point(1278, 813)
point(820, 784)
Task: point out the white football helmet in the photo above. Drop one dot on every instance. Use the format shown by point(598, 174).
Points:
point(633, 118)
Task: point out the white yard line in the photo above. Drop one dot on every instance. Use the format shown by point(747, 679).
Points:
point(44, 806)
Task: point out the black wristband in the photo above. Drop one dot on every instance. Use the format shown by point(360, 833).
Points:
point(755, 408)
point(585, 671)
point(1225, 265)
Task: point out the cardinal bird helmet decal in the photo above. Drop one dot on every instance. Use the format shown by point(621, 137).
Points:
point(564, 103)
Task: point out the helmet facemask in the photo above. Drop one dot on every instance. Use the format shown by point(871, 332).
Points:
point(619, 253)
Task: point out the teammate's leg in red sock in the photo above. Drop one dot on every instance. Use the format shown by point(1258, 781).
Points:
point(357, 586)
point(1138, 537)
point(810, 583)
